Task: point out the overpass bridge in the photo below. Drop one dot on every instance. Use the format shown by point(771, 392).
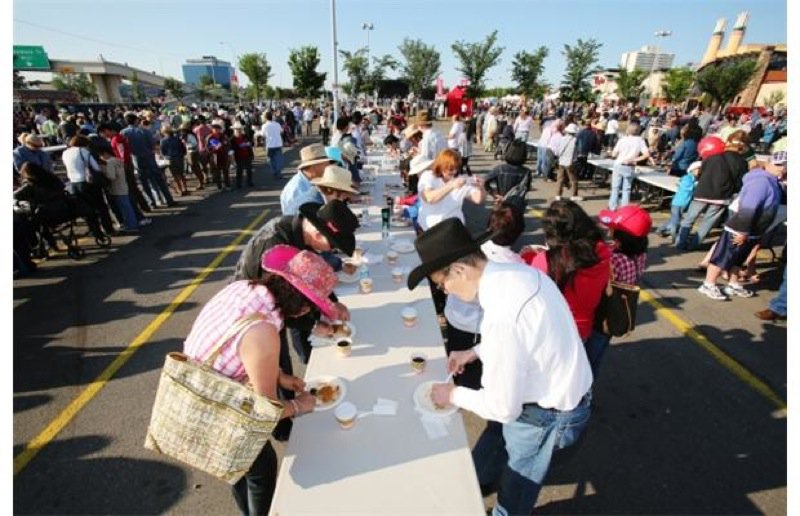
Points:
point(106, 76)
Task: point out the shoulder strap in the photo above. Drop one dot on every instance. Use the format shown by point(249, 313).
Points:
point(234, 330)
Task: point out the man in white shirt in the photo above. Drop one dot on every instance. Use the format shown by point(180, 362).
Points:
point(628, 152)
point(611, 131)
point(536, 378)
point(308, 118)
point(432, 142)
point(271, 132)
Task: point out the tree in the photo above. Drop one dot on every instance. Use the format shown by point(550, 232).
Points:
point(303, 62)
point(677, 84)
point(476, 59)
point(355, 66)
point(205, 87)
point(629, 84)
point(78, 83)
point(256, 67)
point(526, 70)
point(19, 81)
point(576, 84)
point(137, 91)
point(174, 87)
point(422, 64)
point(773, 99)
point(723, 81)
point(378, 72)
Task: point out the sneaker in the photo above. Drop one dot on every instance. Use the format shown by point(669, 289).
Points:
point(769, 315)
point(737, 290)
point(576, 198)
point(145, 222)
point(712, 292)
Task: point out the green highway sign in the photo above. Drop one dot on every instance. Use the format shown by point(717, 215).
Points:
point(30, 58)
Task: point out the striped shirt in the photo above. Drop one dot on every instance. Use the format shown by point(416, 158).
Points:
point(232, 303)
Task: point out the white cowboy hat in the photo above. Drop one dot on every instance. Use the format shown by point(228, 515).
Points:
point(337, 178)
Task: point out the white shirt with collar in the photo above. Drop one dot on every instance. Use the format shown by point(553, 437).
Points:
point(432, 144)
point(531, 350)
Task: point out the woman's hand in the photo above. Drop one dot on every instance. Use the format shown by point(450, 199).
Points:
point(441, 393)
point(342, 311)
point(458, 182)
point(322, 329)
point(291, 383)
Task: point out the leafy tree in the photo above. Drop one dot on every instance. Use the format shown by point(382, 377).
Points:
point(174, 87)
point(78, 83)
point(355, 65)
point(723, 81)
point(19, 81)
point(256, 67)
point(303, 62)
point(676, 84)
point(422, 64)
point(773, 99)
point(378, 72)
point(576, 84)
point(499, 91)
point(476, 59)
point(629, 84)
point(526, 70)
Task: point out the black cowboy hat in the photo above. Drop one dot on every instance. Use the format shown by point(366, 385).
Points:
point(334, 220)
point(443, 244)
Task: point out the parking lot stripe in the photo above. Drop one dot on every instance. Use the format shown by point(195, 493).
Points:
point(66, 416)
point(720, 356)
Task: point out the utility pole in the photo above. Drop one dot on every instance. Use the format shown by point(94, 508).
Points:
point(335, 64)
point(368, 27)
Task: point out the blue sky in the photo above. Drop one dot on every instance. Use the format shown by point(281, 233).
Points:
point(159, 35)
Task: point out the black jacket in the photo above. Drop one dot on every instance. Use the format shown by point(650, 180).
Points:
point(721, 176)
point(504, 177)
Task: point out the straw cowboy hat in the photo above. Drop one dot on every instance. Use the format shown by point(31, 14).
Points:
point(337, 178)
point(313, 154)
point(423, 119)
point(410, 131)
point(305, 271)
point(34, 140)
point(418, 165)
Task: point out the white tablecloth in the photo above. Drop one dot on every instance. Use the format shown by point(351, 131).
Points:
point(385, 464)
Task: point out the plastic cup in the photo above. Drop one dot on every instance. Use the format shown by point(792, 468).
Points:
point(391, 257)
point(344, 346)
point(418, 362)
point(397, 275)
point(366, 285)
point(409, 316)
point(345, 415)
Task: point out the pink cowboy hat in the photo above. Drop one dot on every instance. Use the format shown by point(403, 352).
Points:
point(306, 272)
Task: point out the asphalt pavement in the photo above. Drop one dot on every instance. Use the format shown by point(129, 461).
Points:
point(687, 414)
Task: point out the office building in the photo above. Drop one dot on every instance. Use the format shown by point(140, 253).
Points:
point(219, 70)
point(649, 58)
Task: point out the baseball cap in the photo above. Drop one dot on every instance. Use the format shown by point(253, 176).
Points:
point(632, 219)
point(778, 158)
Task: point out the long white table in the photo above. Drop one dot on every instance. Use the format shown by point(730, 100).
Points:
point(385, 464)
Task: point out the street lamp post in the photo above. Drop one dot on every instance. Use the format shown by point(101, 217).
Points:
point(367, 27)
point(335, 85)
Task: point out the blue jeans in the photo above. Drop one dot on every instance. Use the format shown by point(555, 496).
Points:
point(674, 221)
point(517, 454)
point(542, 162)
point(123, 203)
point(596, 345)
point(275, 155)
point(621, 177)
point(712, 214)
point(778, 303)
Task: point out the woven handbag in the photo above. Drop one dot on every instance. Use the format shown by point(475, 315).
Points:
point(207, 420)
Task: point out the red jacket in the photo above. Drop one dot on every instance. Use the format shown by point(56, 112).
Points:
point(122, 149)
point(583, 295)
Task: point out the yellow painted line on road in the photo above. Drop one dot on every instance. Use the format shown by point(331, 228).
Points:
point(720, 356)
point(68, 414)
point(688, 329)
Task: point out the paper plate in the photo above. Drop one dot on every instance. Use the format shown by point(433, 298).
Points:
point(318, 342)
point(403, 246)
point(424, 402)
point(330, 381)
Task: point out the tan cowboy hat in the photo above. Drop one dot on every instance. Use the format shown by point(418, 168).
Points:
point(313, 154)
point(423, 119)
point(410, 131)
point(337, 178)
point(419, 164)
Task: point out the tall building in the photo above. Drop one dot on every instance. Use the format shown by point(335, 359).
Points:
point(649, 58)
point(219, 70)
